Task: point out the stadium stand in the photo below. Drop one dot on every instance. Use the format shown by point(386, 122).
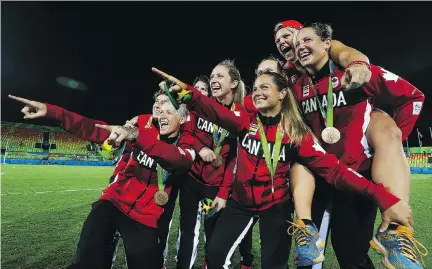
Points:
point(24, 139)
point(67, 143)
point(420, 160)
point(18, 142)
point(5, 135)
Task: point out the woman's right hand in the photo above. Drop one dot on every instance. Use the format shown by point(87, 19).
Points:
point(207, 154)
point(400, 213)
point(32, 109)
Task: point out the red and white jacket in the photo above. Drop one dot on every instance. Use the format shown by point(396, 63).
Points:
point(134, 187)
point(252, 185)
point(352, 109)
point(198, 133)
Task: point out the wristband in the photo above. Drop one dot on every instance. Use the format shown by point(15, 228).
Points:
point(184, 96)
point(359, 62)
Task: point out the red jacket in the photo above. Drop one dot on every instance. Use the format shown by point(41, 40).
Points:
point(198, 133)
point(252, 186)
point(133, 189)
point(142, 121)
point(122, 163)
point(292, 73)
point(248, 104)
point(352, 109)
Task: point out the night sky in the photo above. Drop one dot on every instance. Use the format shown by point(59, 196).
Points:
point(111, 46)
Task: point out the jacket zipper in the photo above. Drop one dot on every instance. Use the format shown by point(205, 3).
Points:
point(252, 183)
point(254, 174)
point(142, 193)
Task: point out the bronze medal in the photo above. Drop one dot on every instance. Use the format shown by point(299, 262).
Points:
point(217, 162)
point(330, 135)
point(161, 198)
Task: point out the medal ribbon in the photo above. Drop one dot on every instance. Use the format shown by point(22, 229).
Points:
point(219, 139)
point(271, 161)
point(326, 115)
point(162, 174)
point(149, 122)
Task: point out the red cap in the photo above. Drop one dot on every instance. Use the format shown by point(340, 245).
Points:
point(290, 23)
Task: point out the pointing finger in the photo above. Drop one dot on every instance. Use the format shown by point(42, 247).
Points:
point(20, 99)
point(105, 127)
point(162, 74)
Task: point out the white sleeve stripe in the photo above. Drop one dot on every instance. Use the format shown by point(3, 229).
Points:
point(192, 153)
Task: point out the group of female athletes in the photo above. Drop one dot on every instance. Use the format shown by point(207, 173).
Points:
point(306, 142)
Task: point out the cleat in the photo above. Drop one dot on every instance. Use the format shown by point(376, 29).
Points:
point(309, 247)
point(399, 248)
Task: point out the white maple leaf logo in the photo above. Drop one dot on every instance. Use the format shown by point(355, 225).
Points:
point(318, 147)
point(389, 75)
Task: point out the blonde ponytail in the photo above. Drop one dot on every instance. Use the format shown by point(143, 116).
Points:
point(294, 124)
point(240, 93)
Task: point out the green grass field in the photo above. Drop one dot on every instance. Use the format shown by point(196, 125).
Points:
point(43, 209)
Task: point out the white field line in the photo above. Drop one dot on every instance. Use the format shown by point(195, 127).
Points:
point(45, 192)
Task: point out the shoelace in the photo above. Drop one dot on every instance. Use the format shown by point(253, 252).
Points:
point(410, 246)
point(300, 233)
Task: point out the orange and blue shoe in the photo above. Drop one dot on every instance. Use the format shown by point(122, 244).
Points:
point(309, 247)
point(399, 248)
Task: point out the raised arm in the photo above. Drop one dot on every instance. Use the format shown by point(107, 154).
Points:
point(232, 121)
point(344, 55)
point(357, 66)
point(77, 124)
point(74, 123)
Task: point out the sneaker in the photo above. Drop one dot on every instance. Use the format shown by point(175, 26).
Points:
point(309, 247)
point(399, 248)
point(246, 267)
point(204, 264)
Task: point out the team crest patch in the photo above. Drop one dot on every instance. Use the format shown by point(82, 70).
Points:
point(417, 106)
point(253, 128)
point(305, 90)
point(335, 82)
point(293, 79)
